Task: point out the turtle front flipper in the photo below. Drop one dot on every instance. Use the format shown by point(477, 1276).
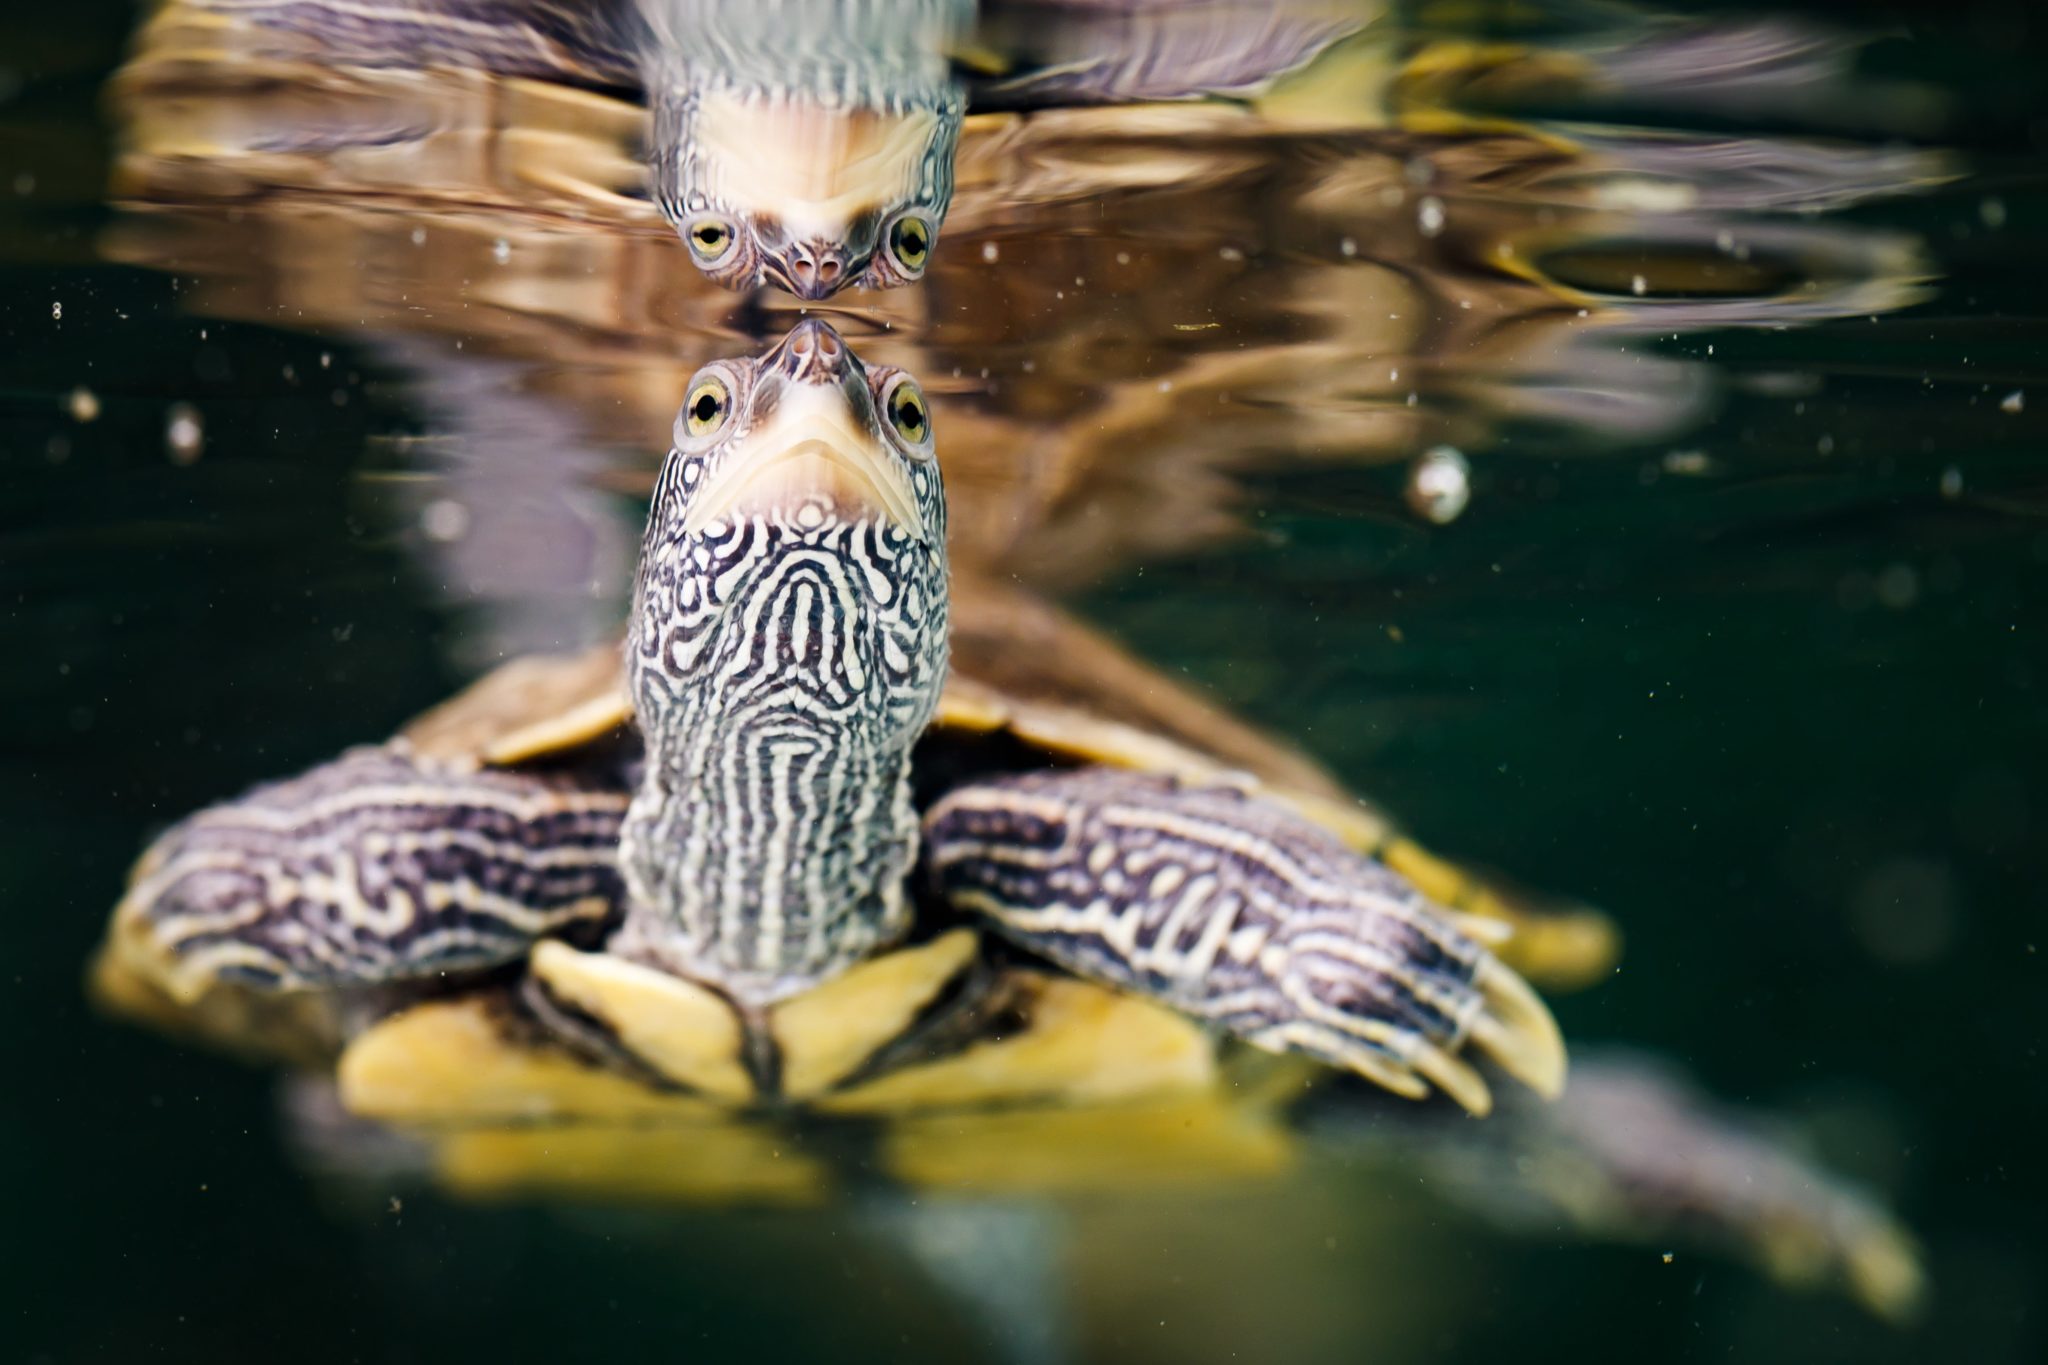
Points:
point(1238, 911)
point(376, 868)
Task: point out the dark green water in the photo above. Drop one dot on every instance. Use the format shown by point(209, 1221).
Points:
point(1767, 686)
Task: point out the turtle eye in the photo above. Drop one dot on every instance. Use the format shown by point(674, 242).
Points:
point(706, 410)
point(910, 242)
point(907, 413)
point(710, 239)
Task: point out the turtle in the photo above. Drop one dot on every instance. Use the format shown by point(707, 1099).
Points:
point(762, 870)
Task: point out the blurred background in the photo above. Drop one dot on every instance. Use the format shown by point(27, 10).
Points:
point(1612, 440)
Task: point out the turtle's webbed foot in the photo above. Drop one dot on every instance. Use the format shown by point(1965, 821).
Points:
point(1241, 912)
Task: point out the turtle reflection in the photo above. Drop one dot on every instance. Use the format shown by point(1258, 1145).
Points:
point(808, 145)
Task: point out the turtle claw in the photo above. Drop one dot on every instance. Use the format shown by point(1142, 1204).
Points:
point(1516, 1030)
point(1393, 991)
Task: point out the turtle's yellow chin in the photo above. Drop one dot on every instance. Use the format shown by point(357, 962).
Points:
point(810, 453)
point(812, 169)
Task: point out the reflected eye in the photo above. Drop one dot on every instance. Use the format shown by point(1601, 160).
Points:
point(707, 408)
point(907, 413)
point(710, 238)
point(910, 242)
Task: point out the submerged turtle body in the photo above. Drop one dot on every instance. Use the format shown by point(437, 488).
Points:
point(953, 1021)
point(734, 820)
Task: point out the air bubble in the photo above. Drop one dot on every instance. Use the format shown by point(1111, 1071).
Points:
point(1440, 485)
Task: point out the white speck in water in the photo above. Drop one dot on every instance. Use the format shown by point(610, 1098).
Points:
point(1349, 246)
point(84, 404)
point(57, 311)
point(1429, 215)
point(444, 519)
point(1439, 485)
point(1825, 445)
point(1166, 386)
point(419, 236)
point(184, 433)
point(1951, 482)
point(1230, 253)
point(2013, 402)
point(1992, 211)
point(501, 251)
point(988, 251)
point(326, 359)
point(1724, 240)
point(1639, 286)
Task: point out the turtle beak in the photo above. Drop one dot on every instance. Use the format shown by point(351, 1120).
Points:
point(817, 446)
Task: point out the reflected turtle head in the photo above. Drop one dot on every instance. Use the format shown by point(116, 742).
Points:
point(812, 197)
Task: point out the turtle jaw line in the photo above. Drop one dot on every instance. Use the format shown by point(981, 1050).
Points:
point(819, 455)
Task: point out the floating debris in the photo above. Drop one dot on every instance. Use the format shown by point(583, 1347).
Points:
point(2013, 402)
point(1429, 215)
point(1951, 482)
point(184, 433)
point(1440, 485)
point(57, 311)
point(84, 404)
point(988, 251)
point(1992, 211)
point(1639, 286)
point(501, 251)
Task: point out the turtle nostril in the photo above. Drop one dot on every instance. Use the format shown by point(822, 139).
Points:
point(828, 347)
point(800, 344)
point(802, 269)
point(828, 271)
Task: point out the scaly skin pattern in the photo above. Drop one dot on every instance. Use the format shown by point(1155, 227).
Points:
point(783, 659)
point(375, 868)
point(1226, 906)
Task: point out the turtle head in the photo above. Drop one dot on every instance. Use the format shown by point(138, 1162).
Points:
point(787, 646)
point(808, 195)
